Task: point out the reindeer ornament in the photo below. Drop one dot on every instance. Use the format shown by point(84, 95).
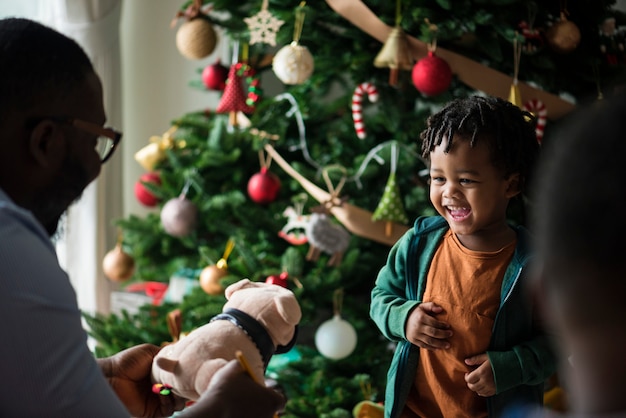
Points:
point(294, 232)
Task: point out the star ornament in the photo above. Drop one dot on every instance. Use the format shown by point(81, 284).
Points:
point(263, 27)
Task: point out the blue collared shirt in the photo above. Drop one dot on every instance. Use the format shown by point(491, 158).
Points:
point(46, 366)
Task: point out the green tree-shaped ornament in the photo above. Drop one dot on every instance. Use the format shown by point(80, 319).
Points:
point(390, 208)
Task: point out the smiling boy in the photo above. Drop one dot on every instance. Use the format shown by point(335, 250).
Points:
point(451, 293)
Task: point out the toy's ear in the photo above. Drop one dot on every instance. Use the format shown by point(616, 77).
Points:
point(167, 364)
point(241, 284)
point(289, 309)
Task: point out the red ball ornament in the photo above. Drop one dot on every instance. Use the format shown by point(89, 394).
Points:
point(214, 76)
point(280, 280)
point(263, 187)
point(142, 193)
point(431, 75)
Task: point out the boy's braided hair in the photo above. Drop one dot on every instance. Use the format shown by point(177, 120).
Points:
point(509, 131)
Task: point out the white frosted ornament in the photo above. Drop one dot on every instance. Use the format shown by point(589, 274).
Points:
point(336, 338)
point(179, 216)
point(293, 64)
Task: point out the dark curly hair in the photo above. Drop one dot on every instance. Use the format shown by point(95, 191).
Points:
point(509, 131)
point(37, 64)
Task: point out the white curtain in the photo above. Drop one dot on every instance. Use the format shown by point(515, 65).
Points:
point(89, 231)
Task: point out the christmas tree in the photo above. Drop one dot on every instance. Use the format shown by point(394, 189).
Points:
point(234, 188)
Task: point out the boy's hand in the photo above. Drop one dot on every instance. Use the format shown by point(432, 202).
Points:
point(480, 380)
point(424, 330)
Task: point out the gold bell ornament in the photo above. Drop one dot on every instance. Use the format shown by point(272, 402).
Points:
point(395, 53)
point(211, 276)
point(153, 153)
point(293, 63)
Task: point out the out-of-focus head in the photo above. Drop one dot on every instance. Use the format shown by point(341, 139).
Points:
point(47, 83)
point(580, 232)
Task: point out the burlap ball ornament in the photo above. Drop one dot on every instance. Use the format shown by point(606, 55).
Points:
point(196, 38)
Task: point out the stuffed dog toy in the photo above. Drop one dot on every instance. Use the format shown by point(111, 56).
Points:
point(258, 319)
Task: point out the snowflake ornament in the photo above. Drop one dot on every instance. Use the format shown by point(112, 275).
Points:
point(263, 26)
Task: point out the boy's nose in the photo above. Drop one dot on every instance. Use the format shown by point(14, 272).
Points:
point(450, 190)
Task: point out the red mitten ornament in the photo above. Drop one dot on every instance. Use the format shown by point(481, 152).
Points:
point(142, 193)
point(233, 100)
point(431, 75)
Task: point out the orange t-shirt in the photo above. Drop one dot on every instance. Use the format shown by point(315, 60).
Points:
point(466, 284)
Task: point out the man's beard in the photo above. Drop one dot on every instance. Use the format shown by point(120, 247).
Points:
point(59, 233)
point(53, 202)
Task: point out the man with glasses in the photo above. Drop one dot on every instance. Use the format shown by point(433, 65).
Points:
point(52, 145)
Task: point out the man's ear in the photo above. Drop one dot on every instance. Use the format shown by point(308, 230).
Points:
point(513, 186)
point(45, 142)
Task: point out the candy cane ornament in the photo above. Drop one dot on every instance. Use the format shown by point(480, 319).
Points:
point(357, 107)
point(537, 108)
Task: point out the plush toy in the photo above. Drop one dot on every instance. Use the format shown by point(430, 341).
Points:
point(258, 319)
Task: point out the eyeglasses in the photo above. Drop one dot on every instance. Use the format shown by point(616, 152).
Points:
point(107, 138)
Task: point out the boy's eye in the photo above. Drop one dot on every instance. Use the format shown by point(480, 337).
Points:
point(466, 181)
point(437, 180)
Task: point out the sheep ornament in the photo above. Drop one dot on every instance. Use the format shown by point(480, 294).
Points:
point(324, 235)
point(258, 319)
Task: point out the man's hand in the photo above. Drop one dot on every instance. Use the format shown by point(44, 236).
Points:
point(424, 330)
point(128, 373)
point(232, 393)
point(480, 380)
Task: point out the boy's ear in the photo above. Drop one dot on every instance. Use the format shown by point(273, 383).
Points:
point(44, 142)
point(513, 186)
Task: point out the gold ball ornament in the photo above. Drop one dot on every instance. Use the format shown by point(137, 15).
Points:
point(563, 36)
point(117, 265)
point(293, 64)
point(196, 38)
point(210, 277)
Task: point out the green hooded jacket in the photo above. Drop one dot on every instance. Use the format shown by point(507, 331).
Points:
point(521, 356)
